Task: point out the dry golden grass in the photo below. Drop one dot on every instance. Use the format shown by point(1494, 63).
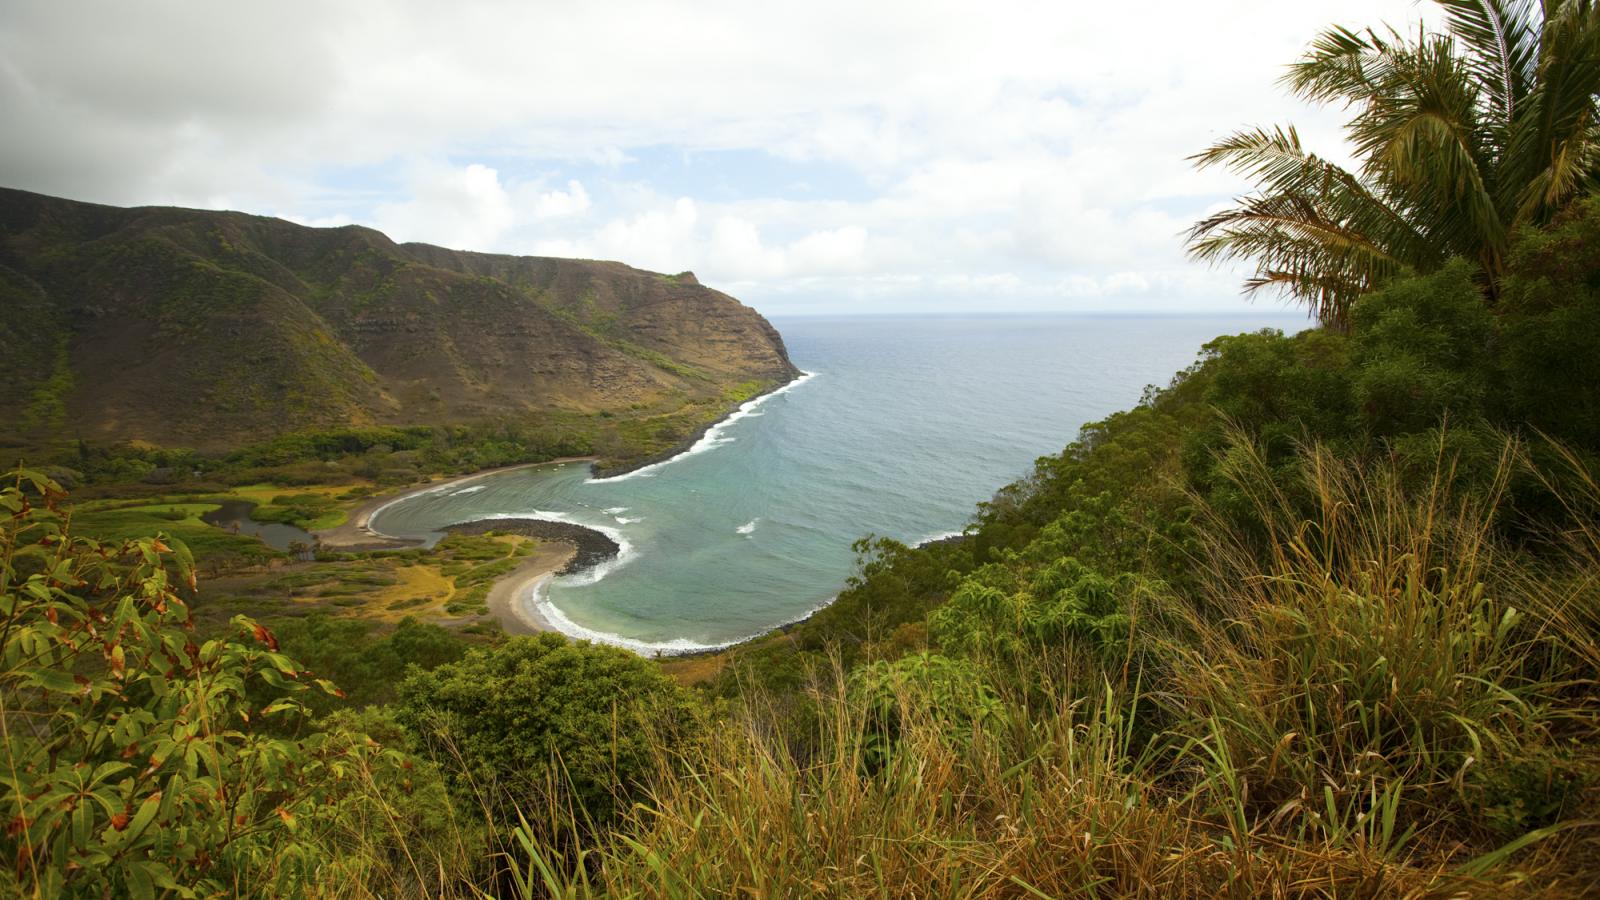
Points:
point(1368, 698)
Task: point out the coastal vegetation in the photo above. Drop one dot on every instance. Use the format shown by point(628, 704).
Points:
point(1317, 618)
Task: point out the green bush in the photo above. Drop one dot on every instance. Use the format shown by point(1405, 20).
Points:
point(999, 612)
point(137, 760)
point(543, 717)
point(950, 693)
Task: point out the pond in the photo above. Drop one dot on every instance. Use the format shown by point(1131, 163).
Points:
point(234, 516)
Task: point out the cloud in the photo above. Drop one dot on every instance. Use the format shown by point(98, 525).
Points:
point(836, 154)
point(463, 208)
point(559, 203)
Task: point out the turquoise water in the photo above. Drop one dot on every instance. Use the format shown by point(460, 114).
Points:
point(905, 425)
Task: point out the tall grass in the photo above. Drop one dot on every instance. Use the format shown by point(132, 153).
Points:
point(1372, 645)
point(1371, 694)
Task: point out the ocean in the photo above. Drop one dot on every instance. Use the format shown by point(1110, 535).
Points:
point(902, 427)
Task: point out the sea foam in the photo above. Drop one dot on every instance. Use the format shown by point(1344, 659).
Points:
point(714, 436)
point(539, 602)
point(940, 536)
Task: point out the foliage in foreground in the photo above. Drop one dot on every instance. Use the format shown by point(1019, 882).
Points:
point(577, 726)
point(1391, 703)
point(139, 760)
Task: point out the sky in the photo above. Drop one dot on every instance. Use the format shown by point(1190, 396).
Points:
point(817, 157)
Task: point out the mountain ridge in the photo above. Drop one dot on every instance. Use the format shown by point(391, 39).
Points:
point(212, 329)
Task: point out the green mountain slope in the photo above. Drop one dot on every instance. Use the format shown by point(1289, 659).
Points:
point(215, 329)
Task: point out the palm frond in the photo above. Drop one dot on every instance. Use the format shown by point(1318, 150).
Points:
point(1548, 157)
point(1462, 137)
point(1502, 40)
point(1342, 65)
point(1299, 245)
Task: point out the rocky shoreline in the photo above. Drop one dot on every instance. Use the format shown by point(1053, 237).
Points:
point(593, 547)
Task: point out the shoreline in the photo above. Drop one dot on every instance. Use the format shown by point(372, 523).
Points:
point(580, 547)
point(508, 594)
point(357, 535)
point(590, 546)
point(564, 549)
point(598, 472)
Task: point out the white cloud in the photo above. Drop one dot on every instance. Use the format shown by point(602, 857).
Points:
point(656, 239)
point(1029, 154)
point(560, 203)
point(463, 208)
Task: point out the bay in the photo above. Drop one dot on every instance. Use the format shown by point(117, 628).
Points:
point(903, 426)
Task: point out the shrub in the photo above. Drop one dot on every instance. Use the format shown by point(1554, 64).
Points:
point(546, 719)
point(951, 693)
point(136, 761)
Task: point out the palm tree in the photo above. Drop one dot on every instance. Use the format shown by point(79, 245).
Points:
point(1462, 138)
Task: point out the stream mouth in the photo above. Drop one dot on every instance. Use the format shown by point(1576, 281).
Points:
point(234, 516)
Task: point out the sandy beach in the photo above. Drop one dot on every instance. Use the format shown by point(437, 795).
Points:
point(552, 554)
point(506, 597)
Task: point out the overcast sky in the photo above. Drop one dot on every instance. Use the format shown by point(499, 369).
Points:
point(861, 156)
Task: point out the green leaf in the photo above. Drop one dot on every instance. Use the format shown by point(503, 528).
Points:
point(145, 815)
point(57, 680)
point(140, 885)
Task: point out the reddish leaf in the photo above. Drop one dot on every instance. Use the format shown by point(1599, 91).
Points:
point(120, 821)
point(266, 637)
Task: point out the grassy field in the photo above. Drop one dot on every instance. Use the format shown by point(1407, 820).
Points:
point(447, 585)
point(176, 517)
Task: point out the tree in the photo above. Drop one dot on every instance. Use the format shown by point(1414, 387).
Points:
point(532, 714)
point(1462, 138)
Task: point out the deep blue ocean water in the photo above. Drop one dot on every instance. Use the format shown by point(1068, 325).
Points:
point(904, 426)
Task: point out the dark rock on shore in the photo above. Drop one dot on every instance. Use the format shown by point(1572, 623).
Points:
point(594, 547)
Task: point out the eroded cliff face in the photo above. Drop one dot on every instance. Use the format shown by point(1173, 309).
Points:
point(211, 329)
